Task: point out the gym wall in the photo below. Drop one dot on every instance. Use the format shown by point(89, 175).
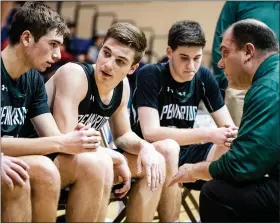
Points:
point(158, 15)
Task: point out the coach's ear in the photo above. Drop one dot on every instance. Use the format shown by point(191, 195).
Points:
point(169, 52)
point(249, 52)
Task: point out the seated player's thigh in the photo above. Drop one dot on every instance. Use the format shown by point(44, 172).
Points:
point(72, 167)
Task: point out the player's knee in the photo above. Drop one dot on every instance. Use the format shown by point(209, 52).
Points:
point(162, 164)
point(46, 175)
point(96, 166)
point(169, 149)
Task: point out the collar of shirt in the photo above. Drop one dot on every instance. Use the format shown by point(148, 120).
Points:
point(266, 65)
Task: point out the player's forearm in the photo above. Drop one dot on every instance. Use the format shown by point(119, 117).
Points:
point(222, 117)
point(181, 136)
point(130, 143)
point(115, 156)
point(34, 146)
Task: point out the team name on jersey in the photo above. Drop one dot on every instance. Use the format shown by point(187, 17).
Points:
point(13, 116)
point(97, 121)
point(178, 112)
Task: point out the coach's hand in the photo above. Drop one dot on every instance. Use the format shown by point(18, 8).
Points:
point(13, 170)
point(184, 175)
point(231, 135)
point(80, 141)
point(149, 160)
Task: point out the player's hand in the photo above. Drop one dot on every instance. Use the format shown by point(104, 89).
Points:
point(149, 160)
point(81, 126)
point(220, 136)
point(121, 170)
point(232, 135)
point(81, 141)
point(13, 170)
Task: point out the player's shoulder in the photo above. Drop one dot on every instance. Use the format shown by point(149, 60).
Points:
point(156, 67)
point(204, 70)
point(70, 70)
point(71, 76)
point(204, 73)
point(32, 73)
point(157, 70)
point(32, 77)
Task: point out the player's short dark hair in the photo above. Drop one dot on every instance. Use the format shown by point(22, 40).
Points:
point(186, 33)
point(39, 19)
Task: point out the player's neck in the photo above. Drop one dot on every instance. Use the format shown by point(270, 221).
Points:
point(175, 76)
point(14, 61)
point(104, 88)
point(105, 92)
